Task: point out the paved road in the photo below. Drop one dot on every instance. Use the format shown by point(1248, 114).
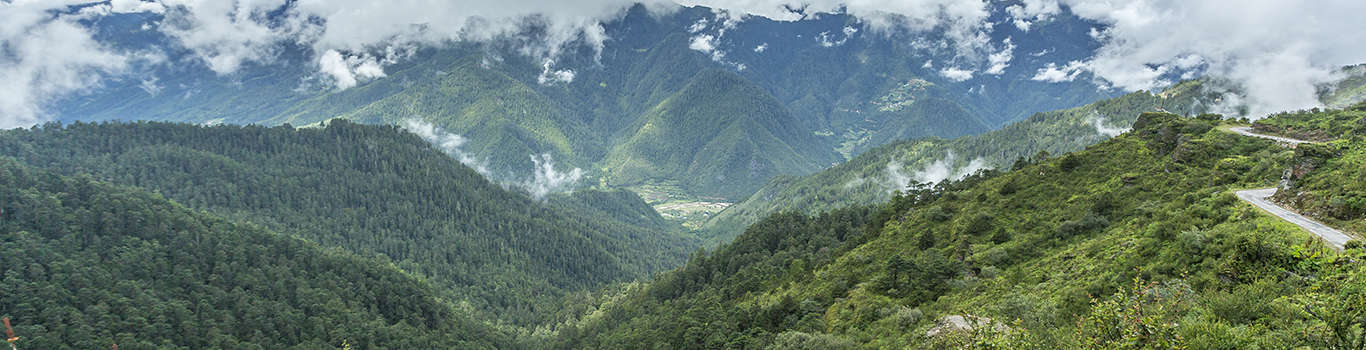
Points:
point(1247, 131)
point(1333, 237)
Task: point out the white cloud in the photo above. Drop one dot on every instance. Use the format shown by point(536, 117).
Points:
point(938, 171)
point(703, 42)
point(1054, 74)
point(1019, 18)
point(350, 38)
point(446, 142)
point(1024, 16)
point(699, 26)
point(1000, 60)
point(944, 169)
point(896, 179)
point(728, 19)
point(1144, 44)
point(825, 37)
point(135, 6)
point(706, 43)
point(150, 86)
point(1276, 51)
point(546, 180)
point(956, 74)
point(347, 70)
point(45, 53)
point(964, 22)
point(1099, 122)
point(550, 76)
point(225, 34)
point(761, 48)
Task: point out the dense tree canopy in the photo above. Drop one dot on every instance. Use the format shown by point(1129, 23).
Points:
point(375, 190)
point(85, 264)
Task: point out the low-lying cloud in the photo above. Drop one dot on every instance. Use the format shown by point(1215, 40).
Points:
point(545, 178)
point(1099, 122)
point(447, 142)
point(942, 169)
point(956, 74)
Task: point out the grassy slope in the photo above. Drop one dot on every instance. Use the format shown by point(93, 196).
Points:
point(863, 180)
point(1031, 248)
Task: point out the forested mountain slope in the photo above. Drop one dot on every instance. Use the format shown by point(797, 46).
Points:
point(873, 176)
point(727, 133)
point(85, 265)
point(844, 84)
point(375, 190)
point(1135, 242)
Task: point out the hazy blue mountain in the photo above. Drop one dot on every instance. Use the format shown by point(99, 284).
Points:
point(850, 86)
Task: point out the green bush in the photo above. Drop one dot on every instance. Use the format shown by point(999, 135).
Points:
point(1089, 223)
point(793, 340)
point(1069, 162)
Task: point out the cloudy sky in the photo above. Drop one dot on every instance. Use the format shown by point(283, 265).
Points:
point(1274, 49)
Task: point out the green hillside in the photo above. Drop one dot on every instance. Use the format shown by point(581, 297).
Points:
point(85, 264)
point(375, 190)
point(866, 179)
point(1347, 92)
point(505, 119)
point(926, 117)
point(1326, 180)
point(1137, 242)
point(727, 135)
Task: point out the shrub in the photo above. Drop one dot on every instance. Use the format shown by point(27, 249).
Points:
point(992, 256)
point(990, 272)
point(1089, 223)
point(1210, 117)
point(809, 341)
point(1191, 241)
point(907, 317)
point(939, 214)
point(981, 223)
point(1069, 162)
point(1011, 187)
point(1001, 236)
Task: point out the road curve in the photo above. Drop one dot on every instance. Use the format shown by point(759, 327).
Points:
point(1247, 131)
point(1257, 197)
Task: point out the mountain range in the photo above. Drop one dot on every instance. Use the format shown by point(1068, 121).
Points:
point(717, 174)
point(825, 84)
